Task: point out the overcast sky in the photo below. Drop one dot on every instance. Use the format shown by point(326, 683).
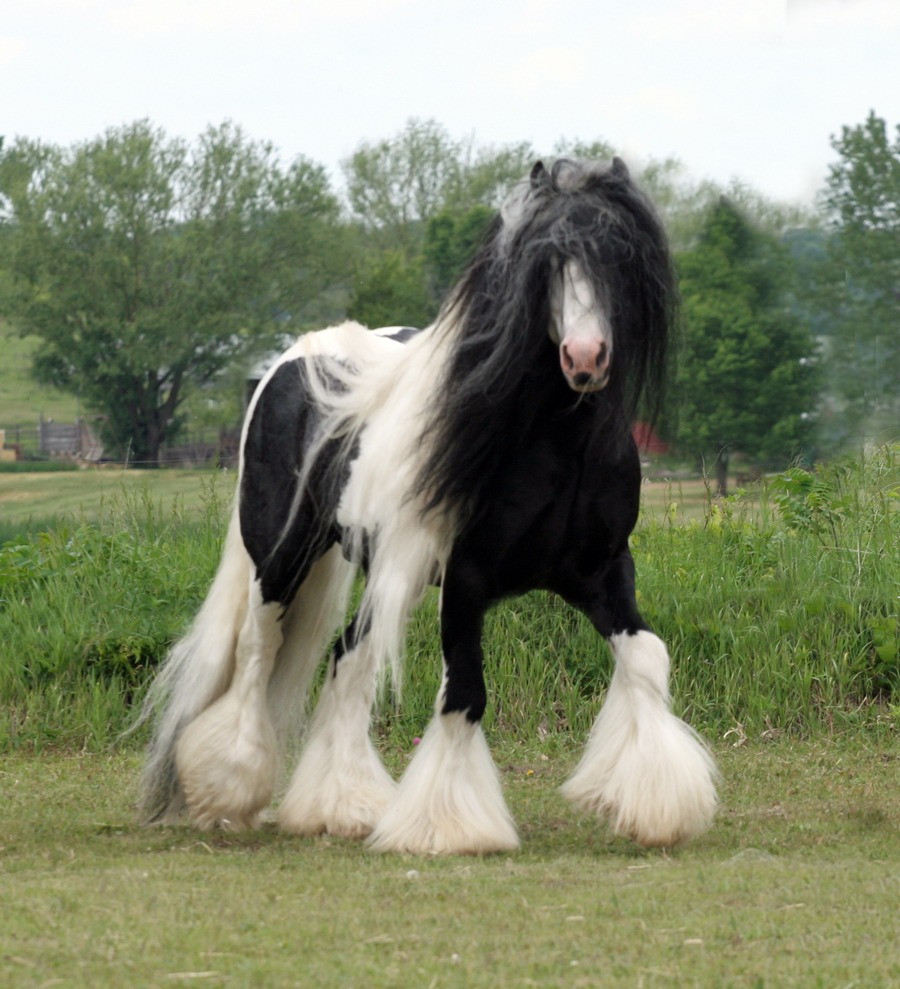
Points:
point(748, 89)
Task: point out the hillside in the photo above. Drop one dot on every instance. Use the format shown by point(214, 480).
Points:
point(22, 400)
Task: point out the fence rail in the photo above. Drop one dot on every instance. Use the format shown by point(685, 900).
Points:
point(78, 441)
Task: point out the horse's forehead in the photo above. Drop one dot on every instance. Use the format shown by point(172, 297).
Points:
point(574, 286)
point(575, 278)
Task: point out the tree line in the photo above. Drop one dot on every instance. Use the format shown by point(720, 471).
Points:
point(153, 271)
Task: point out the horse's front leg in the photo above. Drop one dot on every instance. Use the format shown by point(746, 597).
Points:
point(450, 800)
point(644, 770)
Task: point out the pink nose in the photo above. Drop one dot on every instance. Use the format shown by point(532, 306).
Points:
point(585, 362)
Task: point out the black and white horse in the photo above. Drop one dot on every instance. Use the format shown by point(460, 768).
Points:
point(490, 453)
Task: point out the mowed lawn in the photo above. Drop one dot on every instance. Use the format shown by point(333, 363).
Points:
point(35, 497)
point(45, 496)
point(796, 885)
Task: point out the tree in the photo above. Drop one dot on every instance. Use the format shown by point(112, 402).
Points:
point(396, 184)
point(422, 199)
point(146, 266)
point(391, 290)
point(451, 238)
point(861, 287)
point(745, 379)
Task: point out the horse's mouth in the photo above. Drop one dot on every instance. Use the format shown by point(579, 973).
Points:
point(586, 383)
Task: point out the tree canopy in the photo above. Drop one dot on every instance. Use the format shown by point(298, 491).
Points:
point(745, 377)
point(397, 185)
point(146, 265)
point(860, 286)
point(421, 199)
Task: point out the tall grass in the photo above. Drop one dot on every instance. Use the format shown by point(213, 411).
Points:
point(89, 607)
point(782, 616)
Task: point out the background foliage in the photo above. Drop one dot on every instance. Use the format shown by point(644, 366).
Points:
point(860, 281)
point(152, 273)
point(146, 267)
point(745, 377)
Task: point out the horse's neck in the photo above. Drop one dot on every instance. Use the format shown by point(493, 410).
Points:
point(575, 427)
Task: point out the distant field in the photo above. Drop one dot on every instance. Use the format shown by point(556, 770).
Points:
point(33, 497)
point(85, 493)
point(22, 400)
point(680, 501)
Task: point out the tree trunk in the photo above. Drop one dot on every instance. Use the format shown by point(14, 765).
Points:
point(153, 439)
point(722, 475)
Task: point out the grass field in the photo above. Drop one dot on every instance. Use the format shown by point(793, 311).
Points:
point(785, 636)
point(796, 885)
point(22, 400)
point(44, 497)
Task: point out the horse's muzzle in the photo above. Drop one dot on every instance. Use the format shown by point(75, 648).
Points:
point(585, 363)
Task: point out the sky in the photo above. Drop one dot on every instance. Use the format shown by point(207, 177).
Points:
point(750, 90)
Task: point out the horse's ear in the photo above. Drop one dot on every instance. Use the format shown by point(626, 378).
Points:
point(538, 175)
point(619, 168)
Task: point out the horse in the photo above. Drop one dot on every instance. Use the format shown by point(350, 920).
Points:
point(489, 454)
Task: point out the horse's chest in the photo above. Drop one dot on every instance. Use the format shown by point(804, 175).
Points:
point(547, 519)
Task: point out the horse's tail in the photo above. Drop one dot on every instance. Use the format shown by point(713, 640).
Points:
point(196, 672)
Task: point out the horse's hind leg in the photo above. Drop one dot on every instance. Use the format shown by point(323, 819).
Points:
point(340, 785)
point(226, 758)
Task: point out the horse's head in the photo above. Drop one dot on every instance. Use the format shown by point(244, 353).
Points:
point(582, 330)
point(578, 252)
point(570, 215)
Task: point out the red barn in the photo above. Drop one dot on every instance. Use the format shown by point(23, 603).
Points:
point(647, 440)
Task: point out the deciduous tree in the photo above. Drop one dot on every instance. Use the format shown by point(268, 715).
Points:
point(745, 378)
point(861, 289)
point(146, 265)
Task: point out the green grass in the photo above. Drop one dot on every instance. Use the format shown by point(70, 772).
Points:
point(795, 885)
point(22, 400)
point(781, 614)
point(89, 607)
point(41, 498)
point(778, 622)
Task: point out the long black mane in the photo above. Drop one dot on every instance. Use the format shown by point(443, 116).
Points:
point(502, 378)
